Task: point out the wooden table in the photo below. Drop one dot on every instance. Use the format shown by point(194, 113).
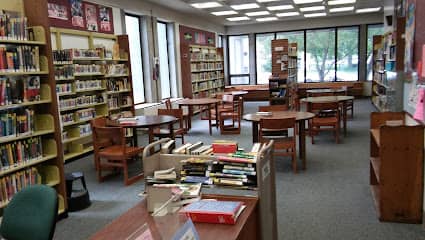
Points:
point(332, 91)
point(200, 102)
point(340, 99)
point(300, 117)
point(165, 227)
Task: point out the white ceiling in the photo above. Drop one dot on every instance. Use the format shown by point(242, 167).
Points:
point(183, 6)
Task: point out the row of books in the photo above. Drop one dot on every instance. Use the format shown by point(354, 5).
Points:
point(87, 69)
point(14, 183)
point(118, 85)
point(199, 56)
point(17, 123)
point(68, 55)
point(13, 27)
point(87, 84)
point(64, 72)
point(64, 88)
point(116, 101)
point(115, 69)
point(20, 152)
point(81, 115)
point(79, 101)
point(205, 66)
point(19, 58)
point(19, 89)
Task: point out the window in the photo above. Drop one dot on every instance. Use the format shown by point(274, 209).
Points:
point(164, 70)
point(320, 55)
point(263, 54)
point(132, 25)
point(220, 41)
point(239, 59)
point(372, 30)
point(348, 54)
point(296, 37)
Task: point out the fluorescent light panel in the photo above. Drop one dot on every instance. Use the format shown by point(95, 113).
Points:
point(287, 14)
point(266, 19)
point(280, 7)
point(260, 1)
point(259, 13)
point(314, 15)
point(342, 9)
point(306, 1)
point(367, 10)
point(245, 6)
point(339, 2)
point(206, 5)
point(223, 13)
point(311, 9)
point(234, 19)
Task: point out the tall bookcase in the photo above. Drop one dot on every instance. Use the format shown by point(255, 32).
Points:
point(30, 144)
point(202, 70)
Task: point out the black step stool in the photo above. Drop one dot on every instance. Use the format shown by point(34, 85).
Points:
point(78, 199)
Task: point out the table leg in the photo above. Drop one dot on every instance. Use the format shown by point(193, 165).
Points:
point(209, 118)
point(190, 114)
point(254, 132)
point(301, 143)
point(344, 117)
point(216, 115)
point(135, 137)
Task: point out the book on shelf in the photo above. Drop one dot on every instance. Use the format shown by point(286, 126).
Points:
point(19, 58)
point(212, 211)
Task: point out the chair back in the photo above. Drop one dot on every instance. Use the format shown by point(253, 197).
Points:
point(276, 127)
point(104, 137)
point(325, 109)
point(31, 214)
point(177, 113)
point(273, 108)
point(167, 103)
point(227, 98)
point(100, 122)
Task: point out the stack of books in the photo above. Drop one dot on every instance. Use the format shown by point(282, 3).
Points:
point(195, 170)
point(210, 211)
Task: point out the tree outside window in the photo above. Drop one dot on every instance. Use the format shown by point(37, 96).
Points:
point(320, 57)
point(348, 54)
point(264, 57)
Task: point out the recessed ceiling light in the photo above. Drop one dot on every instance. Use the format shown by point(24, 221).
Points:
point(223, 13)
point(287, 14)
point(314, 15)
point(311, 9)
point(266, 19)
point(367, 10)
point(259, 13)
point(234, 19)
point(206, 5)
point(280, 7)
point(245, 6)
point(342, 9)
point(267, 0)
point(339, 2)
point(306, 1)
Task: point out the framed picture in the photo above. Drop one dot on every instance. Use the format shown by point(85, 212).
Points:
point(90, 11)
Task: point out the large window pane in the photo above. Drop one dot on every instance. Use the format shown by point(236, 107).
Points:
point(234, 80)
point(348, 54)
point(164, 71)
point(239, 56)
point(263, 53)
point(320, 59)
point(372, 30)
point(298, 38)
point(132, 25)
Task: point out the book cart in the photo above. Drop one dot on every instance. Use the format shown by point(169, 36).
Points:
point(265, 192)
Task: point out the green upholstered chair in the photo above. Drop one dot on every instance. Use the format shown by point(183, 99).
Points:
point(31, 214)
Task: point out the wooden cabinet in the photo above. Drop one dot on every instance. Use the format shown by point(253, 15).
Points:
point(396, 167)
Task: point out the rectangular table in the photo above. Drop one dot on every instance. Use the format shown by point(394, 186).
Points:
point(164, 227)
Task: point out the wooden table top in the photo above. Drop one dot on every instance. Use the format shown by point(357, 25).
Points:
point(150, 121)
point(164, 227)
point(280, 114)
point(326, 90)
point(327, 99)
point(237, 93)
point(198, 101)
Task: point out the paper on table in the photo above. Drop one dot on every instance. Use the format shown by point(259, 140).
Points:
point(419, 112)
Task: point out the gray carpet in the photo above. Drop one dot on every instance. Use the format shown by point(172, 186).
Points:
point(330, 200)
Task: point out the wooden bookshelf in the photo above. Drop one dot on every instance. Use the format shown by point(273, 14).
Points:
point(396, 167)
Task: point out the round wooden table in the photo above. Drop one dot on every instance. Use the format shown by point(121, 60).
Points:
point(300, 118)
point(200, 102)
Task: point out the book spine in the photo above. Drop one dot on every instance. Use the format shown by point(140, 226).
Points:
point(211, 218)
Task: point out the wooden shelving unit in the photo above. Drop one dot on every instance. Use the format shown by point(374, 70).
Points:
point(396, 167)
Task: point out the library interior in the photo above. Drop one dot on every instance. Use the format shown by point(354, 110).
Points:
point(206, 119)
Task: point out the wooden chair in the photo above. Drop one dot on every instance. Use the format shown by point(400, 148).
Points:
point(327, 119)
point(234, 115)
point(112, 152)
point(349, 104)
point(277, 130)
point(171, 132)
point(186, 116)
point(273, 108)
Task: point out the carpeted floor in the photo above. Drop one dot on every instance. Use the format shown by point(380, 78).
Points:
point(330, 200)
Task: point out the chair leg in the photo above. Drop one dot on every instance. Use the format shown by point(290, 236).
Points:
point(337, 135)
point(294, 160)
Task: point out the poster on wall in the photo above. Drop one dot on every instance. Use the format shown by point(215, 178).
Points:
point(57, 11)
point(409, 37)
point(77, 19)
point(91, 17)
point(105, 19)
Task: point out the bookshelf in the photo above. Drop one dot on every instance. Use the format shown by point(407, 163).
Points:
point(396, 167)
point(29, 145)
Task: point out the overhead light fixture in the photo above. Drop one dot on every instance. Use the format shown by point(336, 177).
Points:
point(266, 19)
point(261, 1)
point(312, 9)
point(368, 10)
point(342, 9)
point(224, 13)
point(245, 6)
point(287, 14)
point(310, 15)
point(280, 7)
point(306, 1)
point(339, 2)
point(259, 13)
point(234, 19)
point(206, 5)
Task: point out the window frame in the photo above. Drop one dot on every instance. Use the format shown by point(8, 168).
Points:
point(367, 36)
point(228, 61)
point(168, 58)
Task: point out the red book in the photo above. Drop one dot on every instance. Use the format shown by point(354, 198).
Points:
point(224, 147)
point(211, 211)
